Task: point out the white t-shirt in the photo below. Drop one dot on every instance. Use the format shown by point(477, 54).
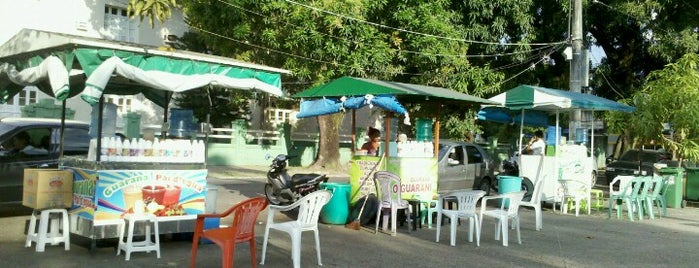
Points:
point(538, 147)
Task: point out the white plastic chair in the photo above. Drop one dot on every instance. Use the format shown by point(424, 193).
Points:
point(307, 220)
point(388, 189)
point(578, 191)
point(503, 214)
point(466, 209)
point(535, 202)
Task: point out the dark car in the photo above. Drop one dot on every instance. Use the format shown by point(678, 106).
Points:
point(463, 165)
point(636, 161)
point(43, 138)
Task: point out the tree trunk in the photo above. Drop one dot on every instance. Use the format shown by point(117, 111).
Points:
point(329, 142)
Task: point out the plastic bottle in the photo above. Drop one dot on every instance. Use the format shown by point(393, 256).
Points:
point(118, 145)
point(104, 149)
point(126, 151)
point(111, 149)
point(148, 150)
point(157, 148)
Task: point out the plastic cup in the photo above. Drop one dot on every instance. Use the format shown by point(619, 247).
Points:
point(131, 194)
point(153, 193)
point(172, 195)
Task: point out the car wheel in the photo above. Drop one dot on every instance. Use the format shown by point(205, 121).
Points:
point(594, 179)
point(485, 186)
point(528, 186)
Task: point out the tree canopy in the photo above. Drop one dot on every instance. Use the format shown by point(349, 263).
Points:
point(478, 47)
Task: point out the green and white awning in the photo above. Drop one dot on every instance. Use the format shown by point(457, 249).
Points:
point(64, 65)
point(547, 99)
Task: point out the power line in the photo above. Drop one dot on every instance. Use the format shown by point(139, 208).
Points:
point(606, 80)
point(423, 34)
point(399, 50)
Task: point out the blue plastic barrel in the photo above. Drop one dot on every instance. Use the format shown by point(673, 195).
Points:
point(581, 135)
point(181, 122)
point(551, 135)
point(337, 209)
point(509, 184)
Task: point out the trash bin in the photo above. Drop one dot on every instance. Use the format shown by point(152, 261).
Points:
point(210, 208)
point(509, 184)
point(692, 184)
point(676, 185)
point(337, 209)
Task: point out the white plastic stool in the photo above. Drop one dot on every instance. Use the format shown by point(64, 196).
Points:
point(146, 245)
point(44, 236)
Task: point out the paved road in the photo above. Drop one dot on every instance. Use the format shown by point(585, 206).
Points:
point(565, 241)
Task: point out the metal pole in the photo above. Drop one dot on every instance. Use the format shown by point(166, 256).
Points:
point(576, 65)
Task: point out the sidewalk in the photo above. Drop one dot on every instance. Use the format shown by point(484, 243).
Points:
point(565, 241)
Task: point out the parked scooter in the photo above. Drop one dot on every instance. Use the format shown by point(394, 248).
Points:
point(284, 189)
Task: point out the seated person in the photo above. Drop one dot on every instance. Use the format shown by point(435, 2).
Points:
point(21, 145)
point(372, 146)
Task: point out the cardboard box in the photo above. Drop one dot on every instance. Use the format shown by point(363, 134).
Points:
point(47, 180)
point(47, 188)
point(44, 200)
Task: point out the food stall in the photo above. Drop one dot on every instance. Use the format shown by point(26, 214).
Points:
point(165, 177)
point(569, 160)
point(401, 158)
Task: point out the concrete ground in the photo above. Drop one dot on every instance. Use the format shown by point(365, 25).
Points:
point(565, 241)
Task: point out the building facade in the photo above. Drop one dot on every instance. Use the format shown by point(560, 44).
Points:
point(103, 19)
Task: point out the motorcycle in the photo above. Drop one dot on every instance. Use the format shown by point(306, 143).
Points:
point(284, 189)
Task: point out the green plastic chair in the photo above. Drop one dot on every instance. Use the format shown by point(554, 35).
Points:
point(661, 201)
point(627, 195)
point(657, 183)
point(640, 197)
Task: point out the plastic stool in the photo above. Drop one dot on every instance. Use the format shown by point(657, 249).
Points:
point(599, 198)
point(146, 245)
point(44, 236)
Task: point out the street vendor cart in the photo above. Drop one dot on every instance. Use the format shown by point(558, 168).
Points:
point(414, 161)
point(172, 187)
point(567, 161)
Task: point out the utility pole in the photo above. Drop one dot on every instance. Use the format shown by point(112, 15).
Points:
point(576, 65)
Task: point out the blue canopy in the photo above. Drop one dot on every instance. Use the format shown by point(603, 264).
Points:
point(323, 106)
point(506, 116)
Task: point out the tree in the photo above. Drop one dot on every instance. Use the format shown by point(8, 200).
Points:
point(324, 40)
point(670, 98)
point(159, 9)
point(638, 37)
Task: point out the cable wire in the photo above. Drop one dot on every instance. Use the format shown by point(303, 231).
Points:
point(398, 50)
point(419, 33)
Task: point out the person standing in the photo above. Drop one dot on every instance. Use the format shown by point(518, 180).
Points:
point(536, 145)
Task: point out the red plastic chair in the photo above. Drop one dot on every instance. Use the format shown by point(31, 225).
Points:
point(242, 229)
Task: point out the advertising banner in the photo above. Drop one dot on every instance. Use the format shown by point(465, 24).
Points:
point(117, 192)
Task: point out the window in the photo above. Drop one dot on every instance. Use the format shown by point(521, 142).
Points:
point(474, 156)
point(76, 141)
point(24, 97)
point(118, 26)
point(123, 103)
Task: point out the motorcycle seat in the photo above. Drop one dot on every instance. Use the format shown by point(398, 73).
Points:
point(298, 179)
